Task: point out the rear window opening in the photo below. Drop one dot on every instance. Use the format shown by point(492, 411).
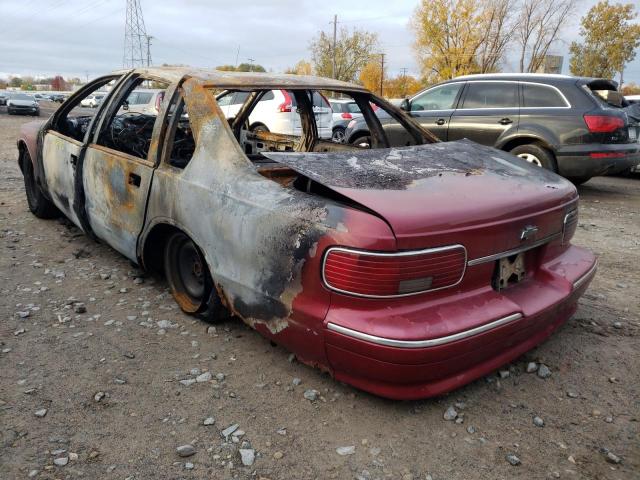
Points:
point(305, 120)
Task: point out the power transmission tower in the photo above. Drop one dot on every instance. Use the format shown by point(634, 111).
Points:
point(136, 42)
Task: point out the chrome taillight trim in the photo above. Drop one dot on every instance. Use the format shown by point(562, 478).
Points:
point(406, 253)
point(432, 342)
point(568, 218)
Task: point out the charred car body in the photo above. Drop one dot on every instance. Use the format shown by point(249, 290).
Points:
point(407, 269)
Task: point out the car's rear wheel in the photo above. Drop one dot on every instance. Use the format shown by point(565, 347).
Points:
point(39, 205)
point(536, 155)
point(259, 128)
point(578, 180)
point(338, 135)
point(189, 279)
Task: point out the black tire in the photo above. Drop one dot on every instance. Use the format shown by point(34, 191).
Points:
point(188, 275)
point(578, 180)
point(259, 128)
point(337, 136)
point(39, 205)
point(362, 141)
point(9, 111)
point(536, 155)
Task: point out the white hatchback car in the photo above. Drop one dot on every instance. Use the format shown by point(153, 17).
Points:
point(146, 101)
point(277, 112)
point(93, 100)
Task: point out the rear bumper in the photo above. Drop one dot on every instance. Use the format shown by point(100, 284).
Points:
point(592, 160)
point(402, 368)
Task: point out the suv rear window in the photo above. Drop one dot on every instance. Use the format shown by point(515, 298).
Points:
point(541, 96)
point(491, 95)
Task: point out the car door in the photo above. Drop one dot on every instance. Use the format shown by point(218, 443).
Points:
point(117, 172)
point(433, 107)
point(64, 139)
point(486, 111)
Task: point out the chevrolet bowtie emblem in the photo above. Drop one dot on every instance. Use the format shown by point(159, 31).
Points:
point(528, 233)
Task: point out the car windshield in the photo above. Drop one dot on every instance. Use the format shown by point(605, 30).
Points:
point(21, 96)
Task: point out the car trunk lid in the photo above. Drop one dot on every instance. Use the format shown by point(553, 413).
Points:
point(432, 194)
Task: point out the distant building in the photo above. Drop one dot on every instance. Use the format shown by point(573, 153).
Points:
point(551, 64)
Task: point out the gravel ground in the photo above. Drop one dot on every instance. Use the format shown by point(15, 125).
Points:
point(103, 377)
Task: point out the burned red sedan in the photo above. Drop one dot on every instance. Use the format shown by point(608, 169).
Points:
point(407, 268)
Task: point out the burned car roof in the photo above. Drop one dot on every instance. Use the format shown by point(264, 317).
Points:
point(245, 80)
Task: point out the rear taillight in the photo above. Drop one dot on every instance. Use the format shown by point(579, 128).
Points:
point(287, 105)
point(347, 116)
point(569, 226)
point(159, 99)
point(603, 123)
point(380, 275)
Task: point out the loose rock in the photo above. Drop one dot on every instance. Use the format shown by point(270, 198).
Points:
point(538, 422)
point(61, 461)
point(513, 459)
point(544, 371)
point(209, 421)
point(247, 456)
point(532, 367)
point(311, 395)
point(204, 377)
point(350, 450)
point(186, 450)
point(40, 413)
point(450, 414)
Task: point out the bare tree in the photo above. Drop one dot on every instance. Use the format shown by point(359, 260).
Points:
point(498, 28)
point(538, 27)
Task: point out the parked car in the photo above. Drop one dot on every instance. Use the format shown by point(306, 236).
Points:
point(57, 97)
point(277, 111)
point(555, 121)
point(343, 112)
point(93, 100)
point(3, 98)
point(41, 96)
point(406, 271)
point(22, 103)
point(632, 98)
point(145, 101)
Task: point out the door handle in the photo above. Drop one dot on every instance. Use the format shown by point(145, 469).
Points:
point(134, 179)
point(440, 121)
point(505, 121)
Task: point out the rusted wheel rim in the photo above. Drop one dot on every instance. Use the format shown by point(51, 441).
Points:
point(191, 270)
point(187, 273)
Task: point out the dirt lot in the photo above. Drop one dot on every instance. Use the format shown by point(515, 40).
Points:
point(109, 378)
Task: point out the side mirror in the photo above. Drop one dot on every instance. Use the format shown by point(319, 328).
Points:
point(405, 105)
point(125, 105)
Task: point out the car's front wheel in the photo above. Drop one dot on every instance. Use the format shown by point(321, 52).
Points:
point(363, 141)
point(39, 205)
point(536, 155)
point(189, 279)
point(578, 180)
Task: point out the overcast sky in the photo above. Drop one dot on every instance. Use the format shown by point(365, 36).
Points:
point(85, 37)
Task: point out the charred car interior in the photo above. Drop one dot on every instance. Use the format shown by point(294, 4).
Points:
point(402, 265)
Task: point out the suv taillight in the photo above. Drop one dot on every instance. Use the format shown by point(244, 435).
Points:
point(287, 105)
point(603, 123)
point(346, 116)
point(159, 99)
point(380, 275)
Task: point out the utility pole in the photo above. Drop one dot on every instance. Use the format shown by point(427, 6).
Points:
point(149, 38)
point(403, 73)
point(381, 72)
point(333, 49)
point(251, 60)
point(237, 55)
